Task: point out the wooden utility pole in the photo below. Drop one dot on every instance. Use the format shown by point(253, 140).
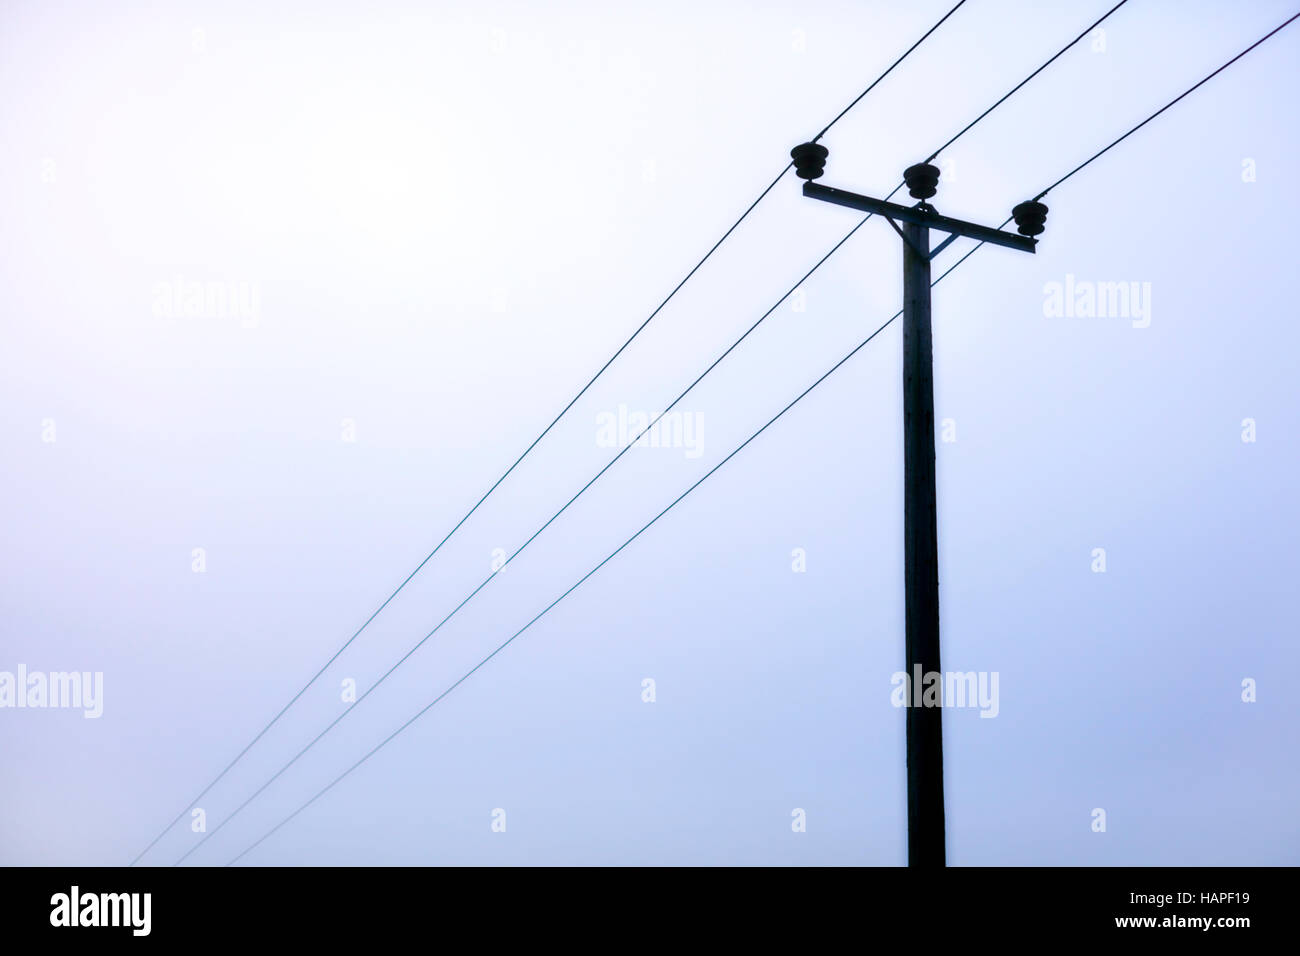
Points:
point(925, 817)
point(925, 827)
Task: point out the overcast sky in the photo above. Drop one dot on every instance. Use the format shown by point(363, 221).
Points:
point(415, 230)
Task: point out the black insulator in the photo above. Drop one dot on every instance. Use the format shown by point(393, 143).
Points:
point(1030, 217)
point(809, 160)
point(922, 180)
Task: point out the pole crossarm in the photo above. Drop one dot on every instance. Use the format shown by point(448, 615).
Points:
point(918, 217)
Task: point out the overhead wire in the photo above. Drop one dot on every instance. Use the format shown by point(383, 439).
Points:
point(717, 361)
point(365, 624)
point(825, 375)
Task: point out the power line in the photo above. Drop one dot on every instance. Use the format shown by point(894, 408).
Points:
point(1101, 152)
point(1015, 88)
point(888, 71)
point(211, 833)
point(761, 196)
point(575, 586)
point(283, 710)
point(710, 472)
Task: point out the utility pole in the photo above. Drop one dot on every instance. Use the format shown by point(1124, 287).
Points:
point(925, 819)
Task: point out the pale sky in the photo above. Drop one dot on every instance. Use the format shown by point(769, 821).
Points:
point(440, 220)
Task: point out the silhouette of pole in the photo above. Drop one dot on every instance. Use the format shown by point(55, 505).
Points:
point(925, 816)
point(925, 825)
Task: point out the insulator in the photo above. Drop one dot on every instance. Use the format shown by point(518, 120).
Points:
point(1030, 217)
point(809, 160)
point(922, 180)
